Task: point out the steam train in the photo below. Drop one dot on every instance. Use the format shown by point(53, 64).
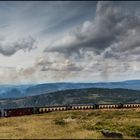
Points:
point(37, 110)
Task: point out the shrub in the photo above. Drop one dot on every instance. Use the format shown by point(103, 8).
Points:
point(90, 126)
point(134, 131)
point(60, 122)
point(95, 113)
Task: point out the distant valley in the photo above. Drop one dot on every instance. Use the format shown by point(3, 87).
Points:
point(19, 91)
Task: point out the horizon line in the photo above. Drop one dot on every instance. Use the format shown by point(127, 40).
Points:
point(69, 82)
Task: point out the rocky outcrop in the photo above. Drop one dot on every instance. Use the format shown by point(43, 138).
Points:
point(111, 134)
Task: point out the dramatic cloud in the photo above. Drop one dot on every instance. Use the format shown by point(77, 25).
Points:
point(76, 41)
point(10, 48)
point(112, 28)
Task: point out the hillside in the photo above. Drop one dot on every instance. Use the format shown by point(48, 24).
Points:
point(72, 125)
point(18, 91)
point(75, 96)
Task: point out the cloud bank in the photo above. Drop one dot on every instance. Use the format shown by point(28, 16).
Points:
point(79, 41)
point(111, 28)
point(9, 48)
point(112, 38)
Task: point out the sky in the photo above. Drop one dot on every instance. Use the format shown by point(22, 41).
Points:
point(69, 41)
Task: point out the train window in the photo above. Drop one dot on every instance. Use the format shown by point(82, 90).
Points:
point(85, 107)
point(73, 107)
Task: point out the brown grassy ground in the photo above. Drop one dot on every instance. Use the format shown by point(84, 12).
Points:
point(72, 124)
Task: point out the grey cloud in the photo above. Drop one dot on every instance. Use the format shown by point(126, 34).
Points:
point(59, 70)
point(56, 70)
point(67, 66)
point(8, 49)
point(45, 17)
point(110, 26)
point(101, 45)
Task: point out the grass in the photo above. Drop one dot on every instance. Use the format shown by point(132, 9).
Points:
point(72, 124)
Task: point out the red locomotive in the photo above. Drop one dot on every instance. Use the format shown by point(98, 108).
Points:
point(18, 112)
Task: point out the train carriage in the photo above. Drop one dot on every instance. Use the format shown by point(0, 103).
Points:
point(135, 105)
point(18, 112)
point(36, 110)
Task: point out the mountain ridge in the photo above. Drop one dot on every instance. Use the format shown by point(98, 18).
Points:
point(12, 91)
point(75, 96)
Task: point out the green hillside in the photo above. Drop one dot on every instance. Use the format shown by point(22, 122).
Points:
point(76, 96)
